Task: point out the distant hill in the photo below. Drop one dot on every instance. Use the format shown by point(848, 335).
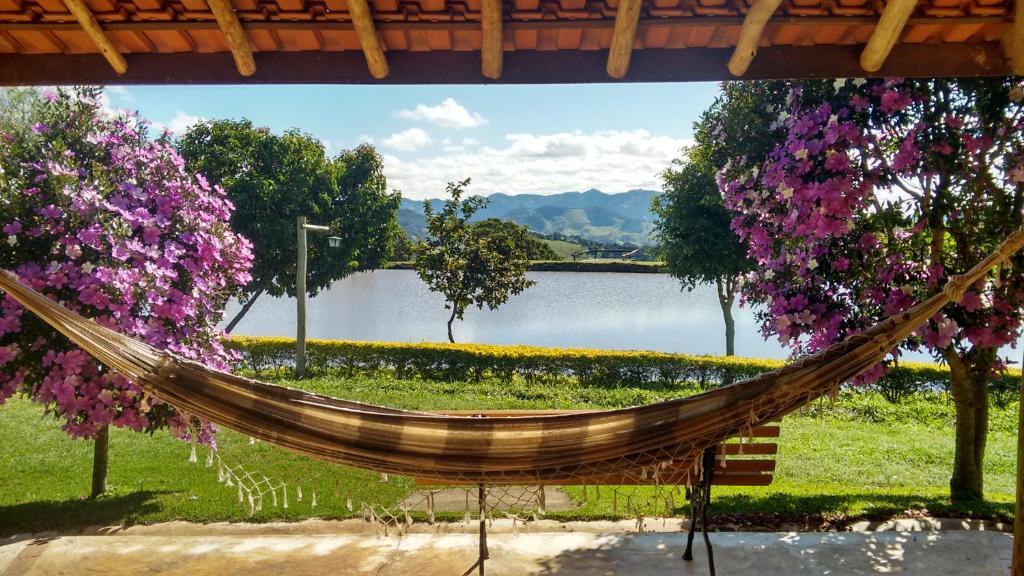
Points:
point(594, 215)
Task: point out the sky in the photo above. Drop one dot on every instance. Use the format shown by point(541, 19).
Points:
point(540, 139)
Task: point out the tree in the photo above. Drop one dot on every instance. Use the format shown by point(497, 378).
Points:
point(96, 215)
point(693, 225)
point(272, 179)
point(533, 247)
point(697, 243)
point(470, 265)
point(875, 194)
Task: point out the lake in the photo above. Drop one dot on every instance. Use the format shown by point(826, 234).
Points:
point(566, 309)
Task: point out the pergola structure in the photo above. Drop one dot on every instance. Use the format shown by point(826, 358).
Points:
point(510, 41)
point(477, 41)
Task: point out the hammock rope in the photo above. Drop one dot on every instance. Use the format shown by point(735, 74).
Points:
point(667, 437)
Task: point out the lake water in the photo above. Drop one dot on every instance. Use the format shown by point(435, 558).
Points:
point(566, 309)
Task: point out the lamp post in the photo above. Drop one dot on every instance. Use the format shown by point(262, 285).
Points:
point(300, 289)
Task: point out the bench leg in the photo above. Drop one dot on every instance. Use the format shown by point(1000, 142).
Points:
point(700, 497)
point(484, 554)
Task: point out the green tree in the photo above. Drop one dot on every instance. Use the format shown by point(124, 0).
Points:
point(535, 248)
point(693, 225)
point(697, 244)
point(469, 265)
point(274, 178)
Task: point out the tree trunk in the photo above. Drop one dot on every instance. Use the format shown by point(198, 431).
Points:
point(99, 462)
point(726, 296)
point(970, 397)
point(450, 320)
point(245, 308)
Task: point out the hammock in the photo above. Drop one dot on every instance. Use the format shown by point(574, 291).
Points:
point(657, 442)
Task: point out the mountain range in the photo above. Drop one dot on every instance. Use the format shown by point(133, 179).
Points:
point(623, 218)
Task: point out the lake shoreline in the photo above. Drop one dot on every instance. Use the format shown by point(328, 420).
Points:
point(615, 266)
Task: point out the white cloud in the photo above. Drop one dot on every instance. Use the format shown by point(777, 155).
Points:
point(178, 125)
point(408, 140)
point(613, 161)
point(447, 114)
point(120, 93)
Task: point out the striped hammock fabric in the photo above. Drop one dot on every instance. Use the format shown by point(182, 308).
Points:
point(658, 443)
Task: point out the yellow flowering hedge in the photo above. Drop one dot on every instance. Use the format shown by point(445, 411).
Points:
point(454, 362)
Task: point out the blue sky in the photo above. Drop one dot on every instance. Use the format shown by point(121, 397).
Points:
point(512, 139)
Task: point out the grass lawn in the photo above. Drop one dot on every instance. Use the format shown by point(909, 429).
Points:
point(857, 458)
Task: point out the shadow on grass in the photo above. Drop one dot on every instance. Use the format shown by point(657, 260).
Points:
point(72, 514)
point(836, 511)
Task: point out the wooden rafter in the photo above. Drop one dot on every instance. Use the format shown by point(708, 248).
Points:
point(627, 16)
point(92, 28)
point(235, 36)
point(1013, 43)
point(750, 35)
point(362, 20)
point(492, 49)
point(886, 34)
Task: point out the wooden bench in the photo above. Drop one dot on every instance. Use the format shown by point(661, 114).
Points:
point(746, 461)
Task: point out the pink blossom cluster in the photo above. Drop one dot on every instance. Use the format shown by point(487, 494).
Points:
point(112, 224)
point(834, 250)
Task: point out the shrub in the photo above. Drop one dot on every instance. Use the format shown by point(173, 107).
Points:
point(606, 368)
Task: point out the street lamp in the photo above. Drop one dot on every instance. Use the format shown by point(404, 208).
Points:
point(300, 289)
point(334, 241)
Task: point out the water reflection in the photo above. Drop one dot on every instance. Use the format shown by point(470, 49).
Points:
point(595, 310)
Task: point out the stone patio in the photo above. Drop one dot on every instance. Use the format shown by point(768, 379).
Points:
point(550, 548)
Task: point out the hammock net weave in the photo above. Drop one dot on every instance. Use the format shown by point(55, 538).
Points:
point(658, 443)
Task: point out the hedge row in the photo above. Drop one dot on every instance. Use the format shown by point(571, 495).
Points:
point(456, 362)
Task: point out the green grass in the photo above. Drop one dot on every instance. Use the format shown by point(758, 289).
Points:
point(857, 458)
point(563, 248)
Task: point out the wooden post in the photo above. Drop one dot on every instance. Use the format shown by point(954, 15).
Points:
point(886, 33)
point(750, 35)
point(492, 50)
point(234, 35)
point(300, 298)
point(627, 16)
point(1017, 563)
point(92, 28)
point(1013, 42)
point(362, 20)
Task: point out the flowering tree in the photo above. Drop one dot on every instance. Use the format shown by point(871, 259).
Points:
point(875, 193)
point(110, 223)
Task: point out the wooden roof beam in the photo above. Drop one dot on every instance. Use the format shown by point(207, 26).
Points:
point(627, 17)
point(234, 35)
point(92, 28)
point(492, 49)
point(1013, 40)
point(362, 20)
point(887, 32)
point(750, 35)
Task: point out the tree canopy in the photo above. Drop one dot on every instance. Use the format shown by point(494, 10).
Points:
point(533, 247)
point(874, 194)
point(274, 178)
point(467, 263)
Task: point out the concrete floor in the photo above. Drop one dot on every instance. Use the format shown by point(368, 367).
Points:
point(572, 551)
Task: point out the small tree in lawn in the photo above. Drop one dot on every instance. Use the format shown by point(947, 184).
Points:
point(470, 265)
point(99, 217)
point(274, 178)
point(874, 195)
